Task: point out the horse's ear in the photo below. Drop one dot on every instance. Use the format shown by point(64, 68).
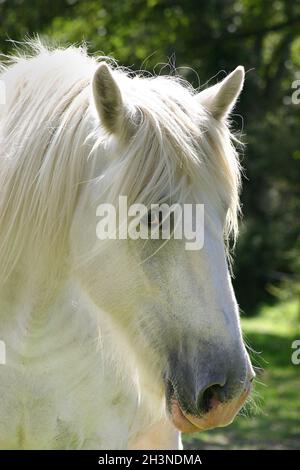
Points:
point(220, 99)
point(108, 99)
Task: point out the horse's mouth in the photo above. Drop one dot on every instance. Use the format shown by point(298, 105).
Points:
point(217, 415)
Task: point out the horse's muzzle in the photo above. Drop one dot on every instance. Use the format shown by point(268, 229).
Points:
point(205, 397)
point(217, 415)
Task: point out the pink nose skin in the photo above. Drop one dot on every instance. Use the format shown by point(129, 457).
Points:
point(219, 414)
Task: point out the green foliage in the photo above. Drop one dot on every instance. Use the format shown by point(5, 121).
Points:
point(201, 39)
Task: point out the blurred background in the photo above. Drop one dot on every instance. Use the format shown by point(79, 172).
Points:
point(204, 40)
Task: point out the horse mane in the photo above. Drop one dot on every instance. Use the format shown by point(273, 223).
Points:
point(49, 130)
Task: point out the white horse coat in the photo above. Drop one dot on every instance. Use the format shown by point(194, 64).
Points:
point(94, 330)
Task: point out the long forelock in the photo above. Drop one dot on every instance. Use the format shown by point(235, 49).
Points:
point(177, 148)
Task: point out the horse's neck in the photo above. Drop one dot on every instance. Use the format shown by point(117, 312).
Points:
point(27, 296)
point(39, 307)
point(59, 366)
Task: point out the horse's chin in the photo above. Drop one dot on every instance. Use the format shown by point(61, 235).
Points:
point(220, 415)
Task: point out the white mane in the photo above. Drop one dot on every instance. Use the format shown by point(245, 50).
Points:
point(49, 129)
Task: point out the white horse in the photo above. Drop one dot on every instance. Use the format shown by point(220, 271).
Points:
point(114, 344)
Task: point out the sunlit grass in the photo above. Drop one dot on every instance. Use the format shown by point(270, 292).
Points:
point(282, 319)
point(272, 420)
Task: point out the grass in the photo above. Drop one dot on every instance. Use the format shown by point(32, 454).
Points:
point(273, 421)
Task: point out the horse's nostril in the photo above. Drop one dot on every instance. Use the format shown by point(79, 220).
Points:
point(210, 397)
